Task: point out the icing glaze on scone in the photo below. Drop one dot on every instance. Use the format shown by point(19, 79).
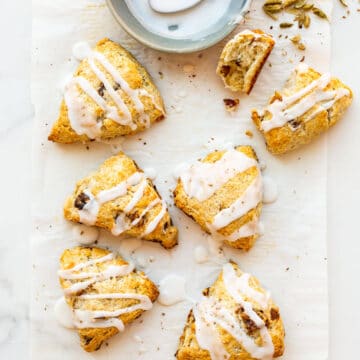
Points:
point(201, 180)
point(223, 193)
point(82, 119)
point(96, 292)
point(235, 319)
point(209, 314)
point(291, 107)
point(248, 201)
point(308, 105)
point(110, 95)
point(120, 198)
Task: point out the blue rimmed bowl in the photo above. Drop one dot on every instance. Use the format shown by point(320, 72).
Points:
point(200, 40)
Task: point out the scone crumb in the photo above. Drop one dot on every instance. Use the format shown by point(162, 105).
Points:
point(188, 68)
point(231, 105)
point(249, 133)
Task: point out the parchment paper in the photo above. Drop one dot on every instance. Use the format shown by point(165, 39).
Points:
point(290, 259)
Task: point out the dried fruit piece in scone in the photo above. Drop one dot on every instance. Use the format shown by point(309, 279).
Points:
point(308, 105)
point(243, 58)
point(120, 198)
point(110, 94)
point(223, 194)
point(235, 319)
point(104, 293)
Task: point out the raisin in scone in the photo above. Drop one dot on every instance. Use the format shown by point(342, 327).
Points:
point(120, 198)
point(104, 293)
point(243, 58)
point(110, 94)
point(309, 104)
point(235, 320)
point(223, 194)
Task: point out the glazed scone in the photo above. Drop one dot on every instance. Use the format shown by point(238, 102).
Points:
point(110, 94)
point(235, 320)
point(120, 198)
point(308, 105)
point(223, 194)
point(243, 58)
point(104, 293)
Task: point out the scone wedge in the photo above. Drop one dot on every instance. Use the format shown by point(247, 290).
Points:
point(223, 194)
point(104, 293)
point(120, 198)
point(110, 94)
point(243, 58)
point(235, 320)
point(308, 105)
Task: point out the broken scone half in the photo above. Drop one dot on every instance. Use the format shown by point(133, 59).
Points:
point(235, 319)
point(309, 104)
point(223, 194)
point(243, 58)
point(110, 94)
point(120, 198)
point(104, 293)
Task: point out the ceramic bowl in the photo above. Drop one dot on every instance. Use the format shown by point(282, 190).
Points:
point(200, 40)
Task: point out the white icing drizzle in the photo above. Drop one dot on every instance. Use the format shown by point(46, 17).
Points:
point(88, 319)
point(83, 118)
point(248, 201)
point(203, 179)
point(136, 196)
point(110, 271)
point(296, 105)
point(101, 318)
point(240, 284)
point(205, 329)
point(112, 112)
point(210, 313)
point(250, 228)
point(121, 223)
point(120, 189)
point(88, 214)
point(154, 223)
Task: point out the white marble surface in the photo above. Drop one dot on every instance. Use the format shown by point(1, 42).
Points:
point(15, 148)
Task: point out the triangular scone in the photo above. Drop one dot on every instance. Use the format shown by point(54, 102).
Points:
point(309, 104)
point(223, 194)
point(104, 293)
point(243, 58)
point(235, 320)
point(111, 94)
point(120, 198)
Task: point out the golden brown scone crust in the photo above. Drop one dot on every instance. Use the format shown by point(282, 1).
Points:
point(243, 58)
point(112, 172)
point(189, 349)
point(203, 212)
point(91, 339)
point(283, 139)
point(137, 78)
